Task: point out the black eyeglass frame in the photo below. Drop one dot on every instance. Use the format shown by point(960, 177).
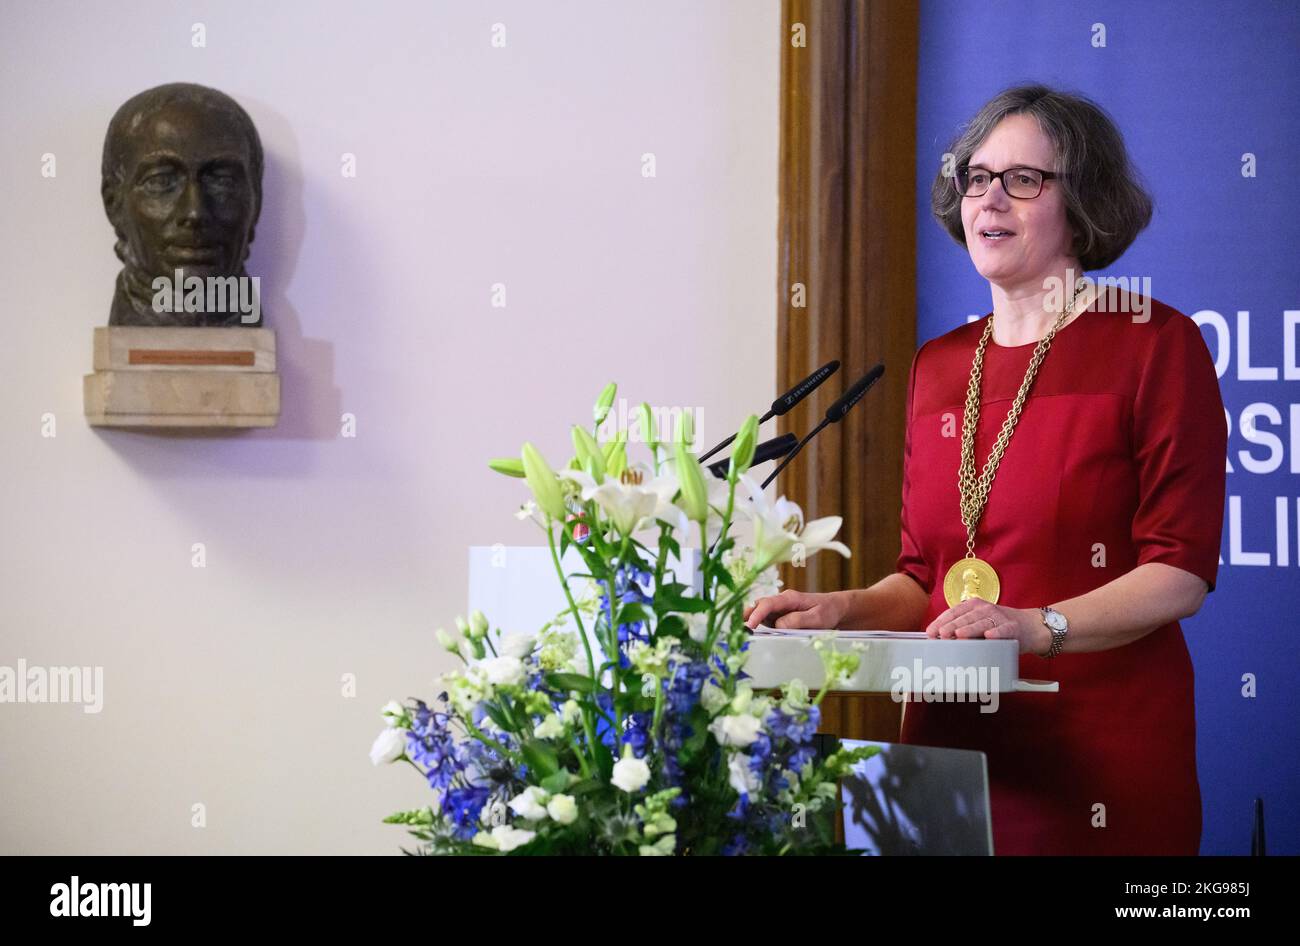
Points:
point(999, 176)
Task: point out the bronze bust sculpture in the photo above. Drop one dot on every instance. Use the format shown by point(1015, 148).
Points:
point(182, 187)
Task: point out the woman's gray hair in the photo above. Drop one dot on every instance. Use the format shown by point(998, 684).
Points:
point(1106, 206)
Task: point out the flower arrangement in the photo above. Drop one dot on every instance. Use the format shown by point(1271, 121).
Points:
point(626, 725)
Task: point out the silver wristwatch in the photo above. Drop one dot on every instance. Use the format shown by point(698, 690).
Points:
point(1058, 625)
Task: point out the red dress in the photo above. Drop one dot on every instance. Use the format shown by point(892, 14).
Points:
point(1118, 460)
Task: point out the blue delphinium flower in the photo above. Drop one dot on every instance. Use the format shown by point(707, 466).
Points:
point(631, 584)
point(462, 807)
point(430, 743)
point(637, 732)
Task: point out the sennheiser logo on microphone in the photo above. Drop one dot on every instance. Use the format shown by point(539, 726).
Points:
point(102, 900)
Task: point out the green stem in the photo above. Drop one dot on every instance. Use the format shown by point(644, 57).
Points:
point(587, 726)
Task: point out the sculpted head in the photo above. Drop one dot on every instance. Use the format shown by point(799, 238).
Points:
point(182, 187)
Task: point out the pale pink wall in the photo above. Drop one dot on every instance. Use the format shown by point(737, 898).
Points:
point(325, 555)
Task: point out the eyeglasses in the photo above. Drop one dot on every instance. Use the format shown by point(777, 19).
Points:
point(1023, 182)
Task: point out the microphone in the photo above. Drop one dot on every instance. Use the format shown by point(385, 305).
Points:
point(772, 449)
point(834, 414)
point(787, 400)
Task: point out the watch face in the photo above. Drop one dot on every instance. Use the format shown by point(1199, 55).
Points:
point(1056, 620)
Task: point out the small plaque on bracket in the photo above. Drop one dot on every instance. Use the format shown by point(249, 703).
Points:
point(160, 356)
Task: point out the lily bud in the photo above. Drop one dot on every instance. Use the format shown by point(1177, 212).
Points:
point(649, 430)
point(742, 451)
point(686, 428)
point(604, 402)
point(588, 453)
point(695, 495)
point(510, 466)
point(541, 480)
point(616, 462)
point(478, 623)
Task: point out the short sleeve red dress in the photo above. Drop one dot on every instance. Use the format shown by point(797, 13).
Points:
point(1118, 460)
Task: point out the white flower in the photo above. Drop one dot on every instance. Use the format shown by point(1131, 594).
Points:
point(530, 510)
point(780, 533)
point(571, 711)
point(516, 645)
point(735, 730)
point(503, 671)
point(697, 626)
point(563, 809)
point(466, 689)
point(504, 838)
point(634, 500)
point(508, 838)
point(393, 712)
point(389, 746)
point(740, 776)
point(449, 643)
point(551, 727)
point(530, 803)
point(712, 697)
point(630, 773)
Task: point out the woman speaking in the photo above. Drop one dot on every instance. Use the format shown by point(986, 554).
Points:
point(1063, 487)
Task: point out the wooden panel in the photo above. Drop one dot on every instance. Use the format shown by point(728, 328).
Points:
point(847, 234)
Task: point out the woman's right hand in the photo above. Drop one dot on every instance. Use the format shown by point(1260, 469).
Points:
point(798, 609)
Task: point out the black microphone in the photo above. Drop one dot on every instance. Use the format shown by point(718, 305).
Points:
point(834, 414)
point(787, 400)
point(772, 449)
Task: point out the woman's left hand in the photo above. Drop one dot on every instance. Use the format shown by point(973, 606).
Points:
point(976, 617)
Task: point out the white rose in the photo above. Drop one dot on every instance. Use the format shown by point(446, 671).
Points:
point(563, 809)
point(735, 730)
point(392, 712)
point(503, 671)
point(630, 774)
point(530, 803)
point(389, 746)
point(508, 838)
point(516, 645)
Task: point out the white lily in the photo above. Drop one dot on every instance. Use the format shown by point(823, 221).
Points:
point(634, 500)
point(780, 533)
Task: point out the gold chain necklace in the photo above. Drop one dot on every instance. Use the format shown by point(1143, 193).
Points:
point(972, 577)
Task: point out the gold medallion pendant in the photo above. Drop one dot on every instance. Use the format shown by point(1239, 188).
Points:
point(971, 578)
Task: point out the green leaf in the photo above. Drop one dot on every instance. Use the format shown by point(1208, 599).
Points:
point(604, 761)
point(557, 782)
point(570, 681)
point(631, 612)
point(669, 599)
point(498, 716)
point(541, 757)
